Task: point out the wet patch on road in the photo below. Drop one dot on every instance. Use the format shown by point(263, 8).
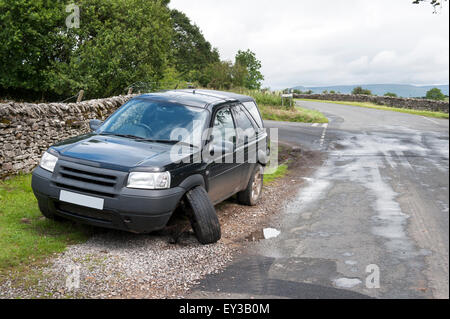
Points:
point(255, 276)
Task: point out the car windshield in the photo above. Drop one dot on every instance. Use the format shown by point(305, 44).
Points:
point(157, 121)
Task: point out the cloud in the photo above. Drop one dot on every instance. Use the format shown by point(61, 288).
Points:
point(330, 42)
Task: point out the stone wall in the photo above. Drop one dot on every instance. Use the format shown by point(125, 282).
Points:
point(27, 130)
point(416, 104)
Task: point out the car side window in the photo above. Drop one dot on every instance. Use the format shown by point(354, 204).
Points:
point(253, 110)
point(224, 128)
point(246, 130)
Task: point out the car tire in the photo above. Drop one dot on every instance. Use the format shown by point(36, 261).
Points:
point(46, 212)
point(251, 195)
point(202, 216)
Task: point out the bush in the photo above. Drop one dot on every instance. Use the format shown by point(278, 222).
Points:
point(359, 90)
point(435, 94)
point(390, 94)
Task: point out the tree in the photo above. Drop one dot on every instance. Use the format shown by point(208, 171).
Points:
point(390, 94)
point(218, 75)
point(435, 94)
point(359, 90)
point(119, 42)
point(190, 50)
point(239, 74)
point(31, 39)
point(254, 77)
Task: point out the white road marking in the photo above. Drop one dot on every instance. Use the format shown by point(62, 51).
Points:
point(322, 138)
point(315, 124)
point(426, 118)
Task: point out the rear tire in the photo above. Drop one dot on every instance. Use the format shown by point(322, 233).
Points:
point(251, 195)
point(202, 216)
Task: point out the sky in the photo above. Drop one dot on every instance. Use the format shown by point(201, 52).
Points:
point(330, 42)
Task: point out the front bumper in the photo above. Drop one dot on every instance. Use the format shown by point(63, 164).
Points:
point(137, 211)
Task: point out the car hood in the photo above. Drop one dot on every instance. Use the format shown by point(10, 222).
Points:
point(117, 152)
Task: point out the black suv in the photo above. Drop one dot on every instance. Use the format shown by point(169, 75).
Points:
point(159, 151)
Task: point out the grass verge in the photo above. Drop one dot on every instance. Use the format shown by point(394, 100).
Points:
point(25, 236)
point(279, 173)
point(272, 108)
point(439, 115)
point(297, 114)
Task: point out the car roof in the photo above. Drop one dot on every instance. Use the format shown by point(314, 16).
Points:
point(196, 97)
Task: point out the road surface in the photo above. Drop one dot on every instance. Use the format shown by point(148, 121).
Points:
point(371, 222)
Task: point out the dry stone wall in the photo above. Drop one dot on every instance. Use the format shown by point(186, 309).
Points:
point(415, 104)
point(27, 130)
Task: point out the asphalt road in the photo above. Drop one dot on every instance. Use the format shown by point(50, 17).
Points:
point(371, 222)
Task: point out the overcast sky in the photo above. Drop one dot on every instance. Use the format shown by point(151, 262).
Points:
point(330, 42)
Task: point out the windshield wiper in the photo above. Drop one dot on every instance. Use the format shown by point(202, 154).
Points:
point(134, 137)
point(142, 139)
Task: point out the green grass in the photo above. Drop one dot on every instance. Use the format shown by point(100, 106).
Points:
point(25, 236)
point(440, 115)
point(272, 108)
point(297, 114)
point(279, 173)
point(262, 98)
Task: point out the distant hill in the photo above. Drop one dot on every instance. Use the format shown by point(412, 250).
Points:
point(380, 89)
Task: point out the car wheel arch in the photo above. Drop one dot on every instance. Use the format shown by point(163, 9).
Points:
point(193, 181)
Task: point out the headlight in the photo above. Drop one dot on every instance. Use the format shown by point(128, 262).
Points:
point(48, 161)
point(149, 180)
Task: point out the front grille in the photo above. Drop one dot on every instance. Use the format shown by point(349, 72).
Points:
point(87, 179)
point(100, 215)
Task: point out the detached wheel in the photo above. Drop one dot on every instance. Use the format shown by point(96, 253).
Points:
point(251, 195)
point(202, 216)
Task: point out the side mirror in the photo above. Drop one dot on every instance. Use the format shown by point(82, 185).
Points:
point(95, 124)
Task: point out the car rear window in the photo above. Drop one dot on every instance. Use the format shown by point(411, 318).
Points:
point(253, 110)
point(245, 124)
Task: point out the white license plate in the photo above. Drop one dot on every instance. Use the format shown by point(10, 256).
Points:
point(81, 200)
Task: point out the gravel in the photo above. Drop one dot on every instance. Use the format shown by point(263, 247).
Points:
point(116, 264)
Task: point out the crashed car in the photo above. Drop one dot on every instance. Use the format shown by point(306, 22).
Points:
point(158, 151)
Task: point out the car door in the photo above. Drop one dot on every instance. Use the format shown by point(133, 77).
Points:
point(223, 172)
point(246, 147)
